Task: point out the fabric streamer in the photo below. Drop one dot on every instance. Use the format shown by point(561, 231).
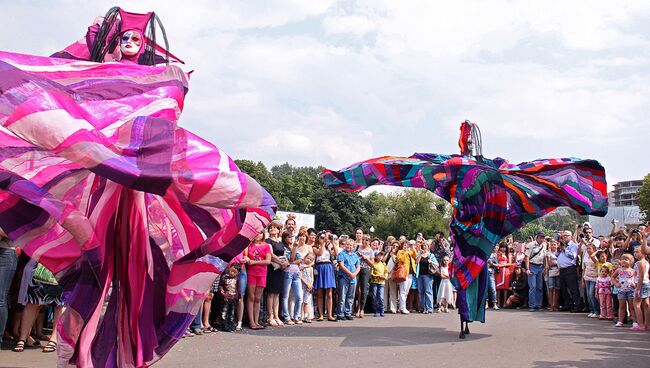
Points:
point(490, 199)
point(134, 215)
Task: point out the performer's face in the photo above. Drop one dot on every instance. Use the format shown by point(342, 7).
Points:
point(130, 43)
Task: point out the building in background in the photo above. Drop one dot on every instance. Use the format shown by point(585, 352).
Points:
point(623, 207)
point(624, 193)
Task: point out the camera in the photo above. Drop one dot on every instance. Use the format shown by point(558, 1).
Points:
point(582, 236)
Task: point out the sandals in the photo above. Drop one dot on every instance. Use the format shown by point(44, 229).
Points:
point(20, 346)
point(273, 323)
point(49, 347)
point(320, 319)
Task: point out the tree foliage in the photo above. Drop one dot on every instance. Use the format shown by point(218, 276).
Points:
point(643, 196)
point(300, 189)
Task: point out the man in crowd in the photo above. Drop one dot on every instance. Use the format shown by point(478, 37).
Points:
point(439, 250)
point(535, 253)
point(569, 273)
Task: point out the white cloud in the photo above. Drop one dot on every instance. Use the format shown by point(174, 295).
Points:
point(332, 83)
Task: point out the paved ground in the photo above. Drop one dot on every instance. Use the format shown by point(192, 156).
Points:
point(509, 339)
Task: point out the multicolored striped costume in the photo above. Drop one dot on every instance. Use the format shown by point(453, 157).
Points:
point(490, 199)
point(135, 215)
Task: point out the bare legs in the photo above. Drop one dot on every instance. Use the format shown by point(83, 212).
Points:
point(328, 301)
point(253, 305)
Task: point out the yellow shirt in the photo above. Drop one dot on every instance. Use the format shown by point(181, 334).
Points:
point(378, 269)
point(406, 258)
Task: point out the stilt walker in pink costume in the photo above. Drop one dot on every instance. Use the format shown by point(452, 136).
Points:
point(135, 215)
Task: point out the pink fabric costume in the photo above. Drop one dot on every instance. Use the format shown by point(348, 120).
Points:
point(135, 215)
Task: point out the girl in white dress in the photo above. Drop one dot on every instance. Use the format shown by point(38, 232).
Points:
point(446, 289)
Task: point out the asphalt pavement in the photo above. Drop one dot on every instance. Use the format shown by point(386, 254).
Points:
point(510, 338)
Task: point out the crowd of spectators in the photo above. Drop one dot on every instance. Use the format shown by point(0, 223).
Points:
point(293, 276)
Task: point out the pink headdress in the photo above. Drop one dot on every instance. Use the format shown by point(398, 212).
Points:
point(103, 37)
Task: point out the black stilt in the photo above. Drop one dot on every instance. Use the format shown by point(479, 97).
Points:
point(462, 330)
point(466, 328)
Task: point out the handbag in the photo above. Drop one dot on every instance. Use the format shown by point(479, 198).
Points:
point(434, 268)
point(399, 273)
point(43, 275)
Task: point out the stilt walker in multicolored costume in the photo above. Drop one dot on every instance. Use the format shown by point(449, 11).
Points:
point(490, 199)
point(135, 215)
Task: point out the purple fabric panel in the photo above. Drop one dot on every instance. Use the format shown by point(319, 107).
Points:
point(154, 153)
point(172, 330)
point(202, 218)
point(110, 89)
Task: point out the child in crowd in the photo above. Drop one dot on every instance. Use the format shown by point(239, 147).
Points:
point(641, 292)
point(349, 268)
point(552, 276)
point(307, 279)
point(229, 290)
point(446, 289)
point(378, 277)
point(624, 279)
point(493, 267)
point(604, 294)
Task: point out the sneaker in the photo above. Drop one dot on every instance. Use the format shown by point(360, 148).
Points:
point(618, 324)
point(637, 328)
point(197, 331)
point(496, 307)
point(531, 310)
point(381, 314)
point(375, 315)
point(405, 311)
point(349, 318)
point(238, 328)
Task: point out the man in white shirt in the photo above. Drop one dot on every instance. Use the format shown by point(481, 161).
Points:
point(535, 253)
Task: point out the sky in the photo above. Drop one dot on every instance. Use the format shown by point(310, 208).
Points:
point(330, 83)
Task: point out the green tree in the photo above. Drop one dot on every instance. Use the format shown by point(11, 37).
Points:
point(407, 213)
point(643, 196)
point(530, 230)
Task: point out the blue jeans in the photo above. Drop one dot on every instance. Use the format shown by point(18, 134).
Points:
point(8, 263)
point(377, 294)
point(592, 299)
point(425, 292)
point(492, 288)
point(535, 286)
point(291, 281)
point(346, 290)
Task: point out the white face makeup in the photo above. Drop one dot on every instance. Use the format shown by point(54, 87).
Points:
point(130, 43)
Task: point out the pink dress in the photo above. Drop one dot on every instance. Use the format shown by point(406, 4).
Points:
point(258, 252)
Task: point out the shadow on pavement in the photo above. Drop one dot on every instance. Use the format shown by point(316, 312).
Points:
point(356, 336)
point(610, 345)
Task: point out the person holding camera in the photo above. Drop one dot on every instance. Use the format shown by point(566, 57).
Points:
point(534, 259)
point(325, 251)
point(566, 261)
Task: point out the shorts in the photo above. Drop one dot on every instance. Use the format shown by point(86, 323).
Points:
point(645, 290)
point(259, 281)
point(625, 295)
point(553, 282)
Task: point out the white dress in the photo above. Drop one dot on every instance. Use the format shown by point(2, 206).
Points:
point(446, 289)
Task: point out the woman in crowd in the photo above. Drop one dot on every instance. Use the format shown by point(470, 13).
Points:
point(425, 261)
point(325, 251)
point(275, 276)
point(502, 277)
point(292, 281)
point(38, 288)
point(366, 256)
point(257, 257)
point(552, 272)
point(519, 289)
point(391, 290)
point(406, 259)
